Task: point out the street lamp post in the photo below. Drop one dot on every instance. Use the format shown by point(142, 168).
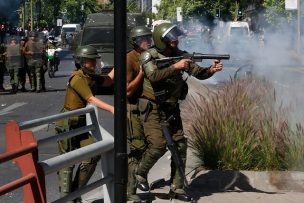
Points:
point(299, 27)
point(31, 15)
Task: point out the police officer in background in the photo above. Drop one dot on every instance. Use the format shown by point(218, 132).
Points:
point(2, 66)
point(24, 67)
point(34, 50)
point(141, 40)
point(162, 89)
point(80, 92)
point(63, 38)
point(13, 57)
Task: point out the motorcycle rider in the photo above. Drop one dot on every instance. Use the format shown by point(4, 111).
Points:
point(52, 44)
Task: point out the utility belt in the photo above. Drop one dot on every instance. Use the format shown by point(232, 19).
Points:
point(75, 120)
point(145, 106)
point(66, 124)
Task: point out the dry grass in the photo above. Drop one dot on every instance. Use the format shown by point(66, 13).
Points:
point(241, 126)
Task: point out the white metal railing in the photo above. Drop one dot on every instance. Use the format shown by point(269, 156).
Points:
point(103, 146)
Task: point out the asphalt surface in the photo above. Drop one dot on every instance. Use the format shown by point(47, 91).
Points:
point(27, 106)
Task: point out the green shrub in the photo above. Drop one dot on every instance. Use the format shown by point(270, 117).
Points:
point(241, 127)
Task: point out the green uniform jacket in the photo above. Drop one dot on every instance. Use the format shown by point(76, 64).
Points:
point(167, 81)
point(79, 90)
point(133, 68)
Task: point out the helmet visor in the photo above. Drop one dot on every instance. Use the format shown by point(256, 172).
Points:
point(172, 35)
point(145, 38)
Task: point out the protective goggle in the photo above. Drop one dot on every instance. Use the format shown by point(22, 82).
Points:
point(172, 34)
point(146, 38)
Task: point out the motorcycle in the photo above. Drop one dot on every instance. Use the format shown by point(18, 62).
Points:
point(52, 61)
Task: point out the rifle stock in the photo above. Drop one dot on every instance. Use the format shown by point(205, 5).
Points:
point(174, 152)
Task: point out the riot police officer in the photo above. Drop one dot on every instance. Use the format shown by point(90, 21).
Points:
point(34, 50)
point(13, 56)
point(2, 66)
point(140, 38)
point(24, 67)
point(162, 89)
point(80, 92)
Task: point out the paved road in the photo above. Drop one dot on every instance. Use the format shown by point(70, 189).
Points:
point(27, 106)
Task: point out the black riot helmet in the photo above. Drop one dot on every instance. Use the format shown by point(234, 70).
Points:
point(139, 33)
point(164, 34)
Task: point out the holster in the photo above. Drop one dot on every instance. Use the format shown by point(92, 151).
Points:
point(144, 107)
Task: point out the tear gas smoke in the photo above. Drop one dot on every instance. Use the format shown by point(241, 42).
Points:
point(268, 53)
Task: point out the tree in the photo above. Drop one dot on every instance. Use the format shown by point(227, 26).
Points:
point(198, 8)
point(275, 12)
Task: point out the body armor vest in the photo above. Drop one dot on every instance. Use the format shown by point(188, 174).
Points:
point(13, 54)
point(170, 90)
point(36, 48)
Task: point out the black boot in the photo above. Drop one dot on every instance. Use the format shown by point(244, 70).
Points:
point(14, 89)
point(23, 89)
point(180, 194)
point(142, 183)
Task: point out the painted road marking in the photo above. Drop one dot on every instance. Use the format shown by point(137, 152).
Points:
point(9, 109)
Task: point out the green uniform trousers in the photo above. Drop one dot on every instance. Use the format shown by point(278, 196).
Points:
point(35, 67)
point(13, 70)
point(136, 144)
point(157, 142)
point(86, 168)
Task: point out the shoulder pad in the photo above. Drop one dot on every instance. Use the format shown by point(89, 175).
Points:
point(153, 52)
point(145, 57)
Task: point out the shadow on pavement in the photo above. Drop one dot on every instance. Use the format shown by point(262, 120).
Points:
point(222, 181)
point(211, 182)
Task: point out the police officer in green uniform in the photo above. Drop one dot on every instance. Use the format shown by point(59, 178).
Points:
point(80, 92)
point(34, 50)
point(141, 40)
point(24, 67)
point(2, 66)
point(13, 56)
point(162, 89)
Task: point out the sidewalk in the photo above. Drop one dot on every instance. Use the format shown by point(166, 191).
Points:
point(223, 186)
